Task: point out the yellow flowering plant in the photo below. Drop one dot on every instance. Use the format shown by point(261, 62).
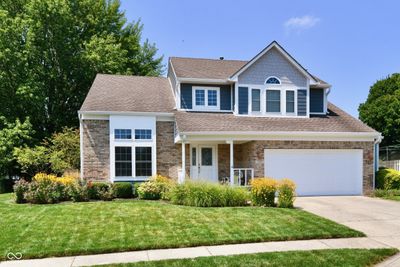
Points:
point(287, 193)
point(263, 191)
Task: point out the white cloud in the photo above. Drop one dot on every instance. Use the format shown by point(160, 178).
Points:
point(301, 23)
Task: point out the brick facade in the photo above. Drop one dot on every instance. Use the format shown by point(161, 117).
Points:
point(96, 154)
point(254, 154)
point(169, 154)
point(96, 149)
point(224, 159)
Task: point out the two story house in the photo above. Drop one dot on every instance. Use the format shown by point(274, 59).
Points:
point(226, 121)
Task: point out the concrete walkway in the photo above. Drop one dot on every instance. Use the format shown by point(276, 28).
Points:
point(180, 253)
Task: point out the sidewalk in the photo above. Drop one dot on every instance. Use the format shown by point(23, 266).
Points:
point(193, 252)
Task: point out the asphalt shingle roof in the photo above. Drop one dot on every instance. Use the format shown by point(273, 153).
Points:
point(130, 94)
point(205, 68)
point(202, 68)
point(336, 121)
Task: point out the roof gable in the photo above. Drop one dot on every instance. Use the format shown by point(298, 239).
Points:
point(279, 48)
point(273, 64)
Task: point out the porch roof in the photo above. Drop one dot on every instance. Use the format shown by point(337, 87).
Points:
point(336, 121)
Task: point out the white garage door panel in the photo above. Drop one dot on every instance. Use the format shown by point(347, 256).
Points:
point(318, 171)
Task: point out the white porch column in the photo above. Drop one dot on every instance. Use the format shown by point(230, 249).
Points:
point(231, 164)
point(183, 172)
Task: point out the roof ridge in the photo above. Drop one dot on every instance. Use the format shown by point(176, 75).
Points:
point(129, 76)
point(215, 59)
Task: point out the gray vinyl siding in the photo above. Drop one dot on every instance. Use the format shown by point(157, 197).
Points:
point(225, 96)
point(186, 96)
point(317, 100)
point(171, 76)
point(301, 102)
point(243, 100)
point(273, 63)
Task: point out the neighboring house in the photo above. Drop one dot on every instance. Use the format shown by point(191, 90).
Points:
point(226, 120)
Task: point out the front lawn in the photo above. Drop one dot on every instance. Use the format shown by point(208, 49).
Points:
point(326, 258)
point(123, 225)
point(397, 198)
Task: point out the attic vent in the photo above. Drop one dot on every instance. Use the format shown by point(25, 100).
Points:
point(221, 58)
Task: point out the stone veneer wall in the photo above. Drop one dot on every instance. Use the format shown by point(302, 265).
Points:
point(254, 154)
point(169, 154)
point(96, 149)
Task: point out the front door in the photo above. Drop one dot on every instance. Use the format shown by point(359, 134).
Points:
point(203, 163)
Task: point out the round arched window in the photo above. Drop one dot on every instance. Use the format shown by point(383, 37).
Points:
point(273, 80)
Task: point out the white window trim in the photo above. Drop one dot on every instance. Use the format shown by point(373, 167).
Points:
point(132, 143)
point(295, 102)
point(251, 100)
point(205, 106)
point(122, 139)
point(281, 112)
point(263, 89)
point(142, 140)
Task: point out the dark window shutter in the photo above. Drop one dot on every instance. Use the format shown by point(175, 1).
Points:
point(243, 100)
point(301, 102)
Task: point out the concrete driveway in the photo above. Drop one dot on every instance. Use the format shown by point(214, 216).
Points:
point(379, 219)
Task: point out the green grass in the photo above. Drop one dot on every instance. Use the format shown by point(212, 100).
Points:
point(98, 227)
point(397, 198)
point(326, 258)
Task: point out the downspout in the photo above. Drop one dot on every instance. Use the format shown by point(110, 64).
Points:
point(377, 141)
point(81, 145)
point(328, 91)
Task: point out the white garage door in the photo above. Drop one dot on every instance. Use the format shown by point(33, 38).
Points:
point(318, 171)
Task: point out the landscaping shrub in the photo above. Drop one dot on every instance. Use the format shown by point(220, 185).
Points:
point(387, 179)
point(286, 193)
point(203, 194)
point(165, 183)
point(386, 193)
point(263, 191)
point(20, 188)
point(6, 185)
point(135, 188)
point(236, 196)
point(106, 194)
point(43, 177)
point(123, 190)
point(94, 189)
point(79, 193)
point(149, 190)
point(44, 192)
point(156, 188)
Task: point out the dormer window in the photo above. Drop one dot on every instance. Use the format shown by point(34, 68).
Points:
point(206, 98)
point(273, 80)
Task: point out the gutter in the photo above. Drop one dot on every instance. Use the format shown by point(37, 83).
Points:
point(291, 133)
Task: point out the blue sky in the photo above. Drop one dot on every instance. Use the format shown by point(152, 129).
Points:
point(349, 44)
